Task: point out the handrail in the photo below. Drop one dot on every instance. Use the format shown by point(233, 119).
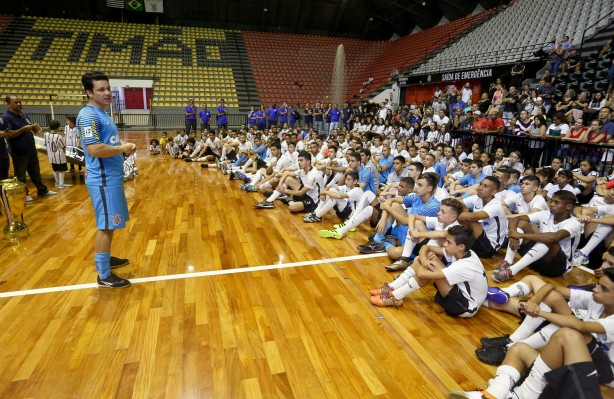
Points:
point(595, 24)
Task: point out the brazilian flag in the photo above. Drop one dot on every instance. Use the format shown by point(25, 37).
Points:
point(135, 5)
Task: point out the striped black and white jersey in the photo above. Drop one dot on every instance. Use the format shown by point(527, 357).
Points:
point(56, 148)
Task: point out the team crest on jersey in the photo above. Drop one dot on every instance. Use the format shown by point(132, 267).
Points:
point(88, 132)
point(117, 219)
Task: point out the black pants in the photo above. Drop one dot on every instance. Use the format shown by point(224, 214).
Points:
point(5, 164)
point(29, 163)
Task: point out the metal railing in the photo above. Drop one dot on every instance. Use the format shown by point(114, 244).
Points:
point(538, 151)
point(609, 15)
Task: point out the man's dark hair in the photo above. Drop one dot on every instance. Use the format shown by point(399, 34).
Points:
point(478, 163)
point(276, 144)
point(431, 179)
point(89, 78)
point(462, 235)
point(494, 181)
point(515, 173)
point(365, 151)
point(456, 206)
point(53, 124)
point(533, 179)
point(71, 118)
point(399, 158)
point(408, 180)
point(353, 175)
point(305, 155)
point(418, 166)
point(565, 196)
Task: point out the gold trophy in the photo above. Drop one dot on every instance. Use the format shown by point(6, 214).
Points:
point(13, 195)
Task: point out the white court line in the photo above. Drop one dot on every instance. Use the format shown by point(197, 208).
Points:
point(586, 269)
point(193, 275)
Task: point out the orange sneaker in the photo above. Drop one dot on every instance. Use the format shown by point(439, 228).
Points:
point(385, 300)
point(384, 289)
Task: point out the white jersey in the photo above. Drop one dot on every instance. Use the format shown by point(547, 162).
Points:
point(545, 222)
point(586, 309)
point(517, 204)
point(593, 173)
point(469, 276)
point(313, 181)
point(605, 210)
point(393, 177)
point(495, 227)
point(56, 148)
point(354, 195)
point(433, 223)
point(285, 161)
point(247, 146)
point(181, 139)
point(215, 145)
point(72, 136)
point(441, 194)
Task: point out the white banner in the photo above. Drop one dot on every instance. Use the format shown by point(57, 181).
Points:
point(154, 6)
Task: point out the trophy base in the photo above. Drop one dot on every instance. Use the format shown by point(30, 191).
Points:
point(16, 231)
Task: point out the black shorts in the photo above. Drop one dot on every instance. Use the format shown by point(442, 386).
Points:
point(554, 268)
point(571, 382)
point(308, 203)
point(455, 303)
point(261, 164)
point(345, 213)
point(232, 156)
point(482, 247)
point(59, 167)
point(601, 360)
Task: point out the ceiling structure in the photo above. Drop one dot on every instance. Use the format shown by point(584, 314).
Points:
point(364, 19)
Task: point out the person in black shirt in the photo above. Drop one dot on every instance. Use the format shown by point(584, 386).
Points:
point(4, 154)
point(517, 74)
point(20, 138)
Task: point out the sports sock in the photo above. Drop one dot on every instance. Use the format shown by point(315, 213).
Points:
point(276, 194)
point(537, 252)
point(356, 220)
point(599, 235)
point(256, 177)
point(539, 339)
point(223, 157)
point(61, 179)
point(57, 177)
point(528, 325)
point(518, 289)
point(266, 186)
point(325, 208)
point(103, 264)
point(248, 163)
point(406, 289)
point(380, 237)
point(534, 384)
point(504, 381)
point(408, 248)
point(511, 253)
point(403, 278)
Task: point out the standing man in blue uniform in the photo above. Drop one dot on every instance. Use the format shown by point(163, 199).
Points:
point(205, 118)
point(20, 137)
point(104, 175)
point(190, 117)
point(222, 116)
point(272, 115)
point(348, 112)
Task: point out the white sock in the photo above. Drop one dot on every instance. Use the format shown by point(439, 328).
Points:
point(325, 207)
point(406, 289)
point(518, 289)
point(223, 157)
point(256, 178)
point(529, 325)
point(403, 278)
point(61, 179)
point(600, 233)
point(537, 252)
point(276, 194)
point(409, 246)
point(266, 186)
point(248, 164)
point(356, 220)
point(541, 338)
point(511, 253)
point(534, 384)
point(504, 381)
point(56, 175)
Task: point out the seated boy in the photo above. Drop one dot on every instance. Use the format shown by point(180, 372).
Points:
point(342, 198)
point(461, 287)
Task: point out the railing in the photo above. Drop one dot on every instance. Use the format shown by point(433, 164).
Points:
point(478, 60)
point(593, 25)
point(538, 151)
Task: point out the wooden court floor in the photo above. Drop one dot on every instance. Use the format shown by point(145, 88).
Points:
point(228, 302)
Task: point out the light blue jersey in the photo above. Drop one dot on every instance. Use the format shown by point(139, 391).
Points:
point(96, 127)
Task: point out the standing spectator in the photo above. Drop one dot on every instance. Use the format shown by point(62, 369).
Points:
point(554, 52)
point(283, 114)
point(438, 104)
point(190, 117)
point(104, 161)
point(484, 103)
point(308, 115)
point(335, 116)
point(5, 162)
point(72, 138)
point(546, 92)
point(260, 118)
point(452, 99)
point(222, 116)
point(272, 115)
point(348, 116)
point(56, 151)
point(517, 74)
point(466, 94)
point(205, 118)
point(251, 117)
point(441, 119)
point(318, 123)
point(294, 116)
point(21, 145)
point(510, 104)
point(437, 94)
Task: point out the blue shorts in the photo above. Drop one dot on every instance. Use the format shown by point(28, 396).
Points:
point(110, 207)
point(400, 232)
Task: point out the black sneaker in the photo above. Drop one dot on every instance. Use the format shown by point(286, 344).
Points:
point(372, 248)
point(264, 205)
point(267, 193)
point(188, 159)
point(113, 281)
point(492, 356)
point(231, 175)
point(503, 340)
point(118, 262)
point(285, 200)
point(391, 240)
point(204, 165)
